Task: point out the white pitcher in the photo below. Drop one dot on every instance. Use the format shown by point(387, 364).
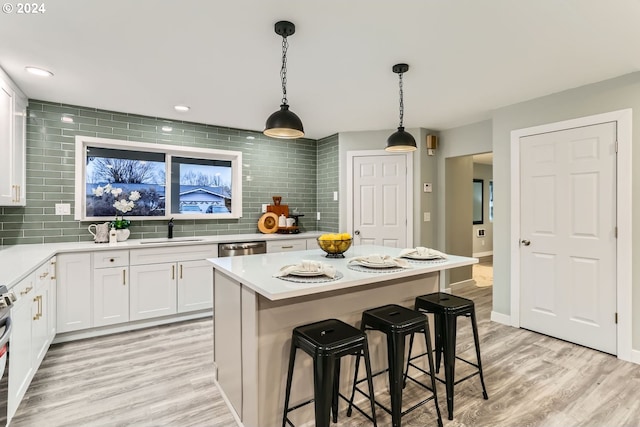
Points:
point(101, 234)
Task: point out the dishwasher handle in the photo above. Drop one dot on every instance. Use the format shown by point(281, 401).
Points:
point(241, 248)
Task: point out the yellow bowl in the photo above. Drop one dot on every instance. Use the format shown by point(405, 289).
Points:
point(334, 248)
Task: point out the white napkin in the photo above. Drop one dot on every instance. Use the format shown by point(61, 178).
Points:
point(381, 260)
point(310, 266)
point(423, 252)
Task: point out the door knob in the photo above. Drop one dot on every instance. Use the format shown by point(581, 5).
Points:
point(357, 232)
point(525, 242)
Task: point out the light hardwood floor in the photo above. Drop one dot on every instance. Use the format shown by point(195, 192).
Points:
point(162, 377)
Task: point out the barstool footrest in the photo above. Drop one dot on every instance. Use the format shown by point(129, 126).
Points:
point(345, 398)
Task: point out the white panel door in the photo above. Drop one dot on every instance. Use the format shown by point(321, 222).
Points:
point(110, 296)
point(568, 247)
point(152, 291)
point(379, 200)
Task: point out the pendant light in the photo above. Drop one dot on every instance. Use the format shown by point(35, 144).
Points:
point(401, 140)
point(283, 123)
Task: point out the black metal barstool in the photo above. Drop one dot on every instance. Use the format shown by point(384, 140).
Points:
point(396, 322)
point(326, 342)
point(446, 309)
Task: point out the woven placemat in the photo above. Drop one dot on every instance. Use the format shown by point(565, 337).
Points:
point(426, 261)
point(312, 279)
point(363, 269)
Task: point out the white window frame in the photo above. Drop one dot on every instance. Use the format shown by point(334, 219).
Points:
point(82, 142)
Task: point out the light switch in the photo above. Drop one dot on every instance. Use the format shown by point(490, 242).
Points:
point(318, 217)
point(427, 216)
point(63, 209)
point(264, 208)
point(335, 196)
point(428, 188)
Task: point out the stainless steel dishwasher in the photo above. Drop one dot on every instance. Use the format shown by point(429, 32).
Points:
point(244, 248)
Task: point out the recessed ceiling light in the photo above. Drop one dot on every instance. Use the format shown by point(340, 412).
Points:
point(182, 108)
point(167, 128)
point(41, 72)
point(67, 119)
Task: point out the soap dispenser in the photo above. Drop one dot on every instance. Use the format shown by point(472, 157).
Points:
point(113, 236)
point(282, 221)
point(170, 229)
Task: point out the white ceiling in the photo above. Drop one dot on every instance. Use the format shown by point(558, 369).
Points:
point(222, 58)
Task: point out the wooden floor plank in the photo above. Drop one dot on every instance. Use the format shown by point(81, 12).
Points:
point(162, 377)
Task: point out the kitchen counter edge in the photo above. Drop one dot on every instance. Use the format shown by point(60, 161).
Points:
point(18, 261)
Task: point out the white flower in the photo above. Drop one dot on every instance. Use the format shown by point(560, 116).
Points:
point(98, 191)
point(123, 206)
point(116, 191)
point(134, 195)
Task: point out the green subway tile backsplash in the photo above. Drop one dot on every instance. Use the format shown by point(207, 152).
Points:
point(302, 171)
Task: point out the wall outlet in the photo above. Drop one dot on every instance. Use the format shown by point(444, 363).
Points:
point(335, 196)
point(427, 187)
point(264, 208)
point(318, 217)
point(63, 209)
point(427, 216)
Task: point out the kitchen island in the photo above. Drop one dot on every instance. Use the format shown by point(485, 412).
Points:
point(255, 313)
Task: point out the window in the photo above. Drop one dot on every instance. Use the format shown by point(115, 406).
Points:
point(153, 181)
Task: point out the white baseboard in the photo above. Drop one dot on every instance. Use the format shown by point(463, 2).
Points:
point(635, 356)
point(505, 319)
point(481, 254)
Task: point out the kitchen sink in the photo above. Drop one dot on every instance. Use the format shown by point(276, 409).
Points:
point(174, 240)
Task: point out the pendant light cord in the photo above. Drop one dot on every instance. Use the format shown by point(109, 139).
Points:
point(401, 100)
point(283, 70)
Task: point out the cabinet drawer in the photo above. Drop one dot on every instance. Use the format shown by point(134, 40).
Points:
point(173, 254)
point(287, 245)
point(104, 259)
point(25, 287)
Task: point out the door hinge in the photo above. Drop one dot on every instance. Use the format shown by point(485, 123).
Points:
point(616, 318)
point(616, 146)
point(615, 231)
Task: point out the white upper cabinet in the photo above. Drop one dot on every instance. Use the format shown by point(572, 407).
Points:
point(13, 119)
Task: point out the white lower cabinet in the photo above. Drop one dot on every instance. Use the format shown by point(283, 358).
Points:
point(110, 296)
point(20, 362)
point(167, 281)
point(153, 291)
point(195, 285)
point(31, 336)
point(74, 292)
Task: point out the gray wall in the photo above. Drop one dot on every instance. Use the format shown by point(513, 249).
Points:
point(495, 135)
point(459, 208)
point(283, 167)
point(424, 170)
point(610, 95)
point(483, 244)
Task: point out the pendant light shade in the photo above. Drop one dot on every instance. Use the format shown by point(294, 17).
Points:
point(401, 141)
point(284, 123)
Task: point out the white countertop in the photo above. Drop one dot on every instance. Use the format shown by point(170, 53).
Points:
point(256, 271)
point(16, 262)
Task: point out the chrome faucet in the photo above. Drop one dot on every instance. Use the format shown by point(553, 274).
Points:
point(170, 226)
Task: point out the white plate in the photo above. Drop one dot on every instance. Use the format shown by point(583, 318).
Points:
point(422, 257)
point(377, 264)
point(304, 273)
